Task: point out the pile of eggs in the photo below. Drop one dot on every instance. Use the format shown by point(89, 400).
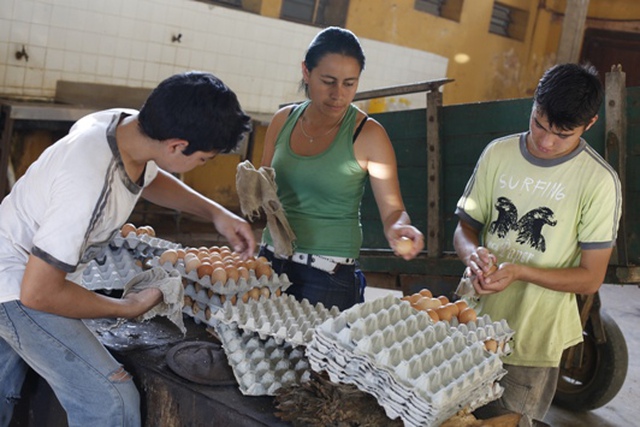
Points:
point(218, 262)
point(129, 228)
point(441, 309)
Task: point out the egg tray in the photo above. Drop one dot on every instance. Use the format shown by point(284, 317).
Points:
point(285, 319)
point(143, 245)
point(262, 367)
point(231, 287)
point(207, 301)
point(112, 272)
point(406, 361)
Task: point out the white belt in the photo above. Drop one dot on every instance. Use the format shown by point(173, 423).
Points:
point(321, 262)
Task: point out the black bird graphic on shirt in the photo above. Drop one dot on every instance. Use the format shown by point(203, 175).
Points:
point(529, 227)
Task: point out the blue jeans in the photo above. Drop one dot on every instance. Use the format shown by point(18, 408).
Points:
point(90, 384)
point(342, 288)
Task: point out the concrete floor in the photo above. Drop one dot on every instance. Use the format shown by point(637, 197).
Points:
point(623, 304)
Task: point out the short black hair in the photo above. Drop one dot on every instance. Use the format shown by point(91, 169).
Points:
point(197, 107)
point(570, 95)
point(333, 40)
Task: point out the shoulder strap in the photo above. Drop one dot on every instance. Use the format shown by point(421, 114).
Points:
point(359, 128)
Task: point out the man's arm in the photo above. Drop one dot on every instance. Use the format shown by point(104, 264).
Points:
point(168, 191)
point(44, 288)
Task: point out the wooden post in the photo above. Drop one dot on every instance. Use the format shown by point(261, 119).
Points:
point(434, 176)
point(575, 16)
point(616, 145)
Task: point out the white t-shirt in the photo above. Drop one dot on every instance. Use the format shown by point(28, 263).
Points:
point(70, 202)
point(541, 213)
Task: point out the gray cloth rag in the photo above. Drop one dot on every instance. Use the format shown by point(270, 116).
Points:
point(170, 284)
point(257, 190)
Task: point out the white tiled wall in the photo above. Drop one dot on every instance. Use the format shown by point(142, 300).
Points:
point(129, 42)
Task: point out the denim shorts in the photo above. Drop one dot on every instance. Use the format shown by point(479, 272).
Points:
point(343, 288)
point(84, 376)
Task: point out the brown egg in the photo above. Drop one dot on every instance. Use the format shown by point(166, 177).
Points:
point(203, 255)
point(426, 293)
point(414, 298)
point(127, 229)
point(404, 246)
point(232, 273)
point(265, 292)
point(214, 249)
point(181, 253)
point(254, 293)
point(434, 316)
point(444, 313)
point(223, 298)
point(191, 264)
point(491, 345)
point(421, 304)
point(188, 301)
point(278, 292)
point(453, 308)
point(197, 286)
point(245, 297)
point(218, 264)
point(251, 263)
point(192, 251)
point(195, 307)
point(243, 273)
point(170, 256)
point(218, 275)
point(434, 303)
point(207, 313)
point(467, 315)
point(406, 298)
point(233, 299)
point(215, 256)
point(263, 270)
point(443, 299)
point(262, 260)
point(210, 293)
point(462, 304)
point(150, 231)
point(204, 269)
point(140, 231)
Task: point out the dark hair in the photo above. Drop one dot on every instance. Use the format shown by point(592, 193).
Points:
point(569, 95)
point(332, 40)
point(197, 107)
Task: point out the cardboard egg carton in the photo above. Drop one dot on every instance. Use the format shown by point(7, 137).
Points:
point(111, 272)
point(419, 371)
point(240, 289)
point(143, 245)
point(496, 335)
point(262, 366)
point(284, 319)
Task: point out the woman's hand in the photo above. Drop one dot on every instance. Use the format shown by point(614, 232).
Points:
point(405, 240)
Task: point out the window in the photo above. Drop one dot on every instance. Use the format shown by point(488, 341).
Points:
point(322, 13)
point(449, 9)
point(509, 22)
point(247, 5)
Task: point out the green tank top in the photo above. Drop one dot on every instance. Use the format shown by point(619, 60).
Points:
point(321, 194)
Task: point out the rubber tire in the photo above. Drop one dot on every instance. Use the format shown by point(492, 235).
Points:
point(603, 372)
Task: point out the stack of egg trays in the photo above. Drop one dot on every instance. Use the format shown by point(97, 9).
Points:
point(285, 319)
point(417, 370)
point(261, 366)
point(206, 293)
point(143, 245)
point(112, 272)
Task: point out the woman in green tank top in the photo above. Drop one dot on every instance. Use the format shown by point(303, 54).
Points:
point(322, 151)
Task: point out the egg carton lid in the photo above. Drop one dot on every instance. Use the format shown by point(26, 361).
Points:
point(261, 367)
point(143, 244)
point(337, 343)
point(397, 400)
point(284, 318)
point(112, 272)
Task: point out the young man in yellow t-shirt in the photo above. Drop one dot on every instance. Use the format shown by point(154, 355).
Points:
point(544, 207)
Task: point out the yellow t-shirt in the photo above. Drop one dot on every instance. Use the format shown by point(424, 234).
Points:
point(541, 213)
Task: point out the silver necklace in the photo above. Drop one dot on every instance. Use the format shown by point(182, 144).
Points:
point(311, 138)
